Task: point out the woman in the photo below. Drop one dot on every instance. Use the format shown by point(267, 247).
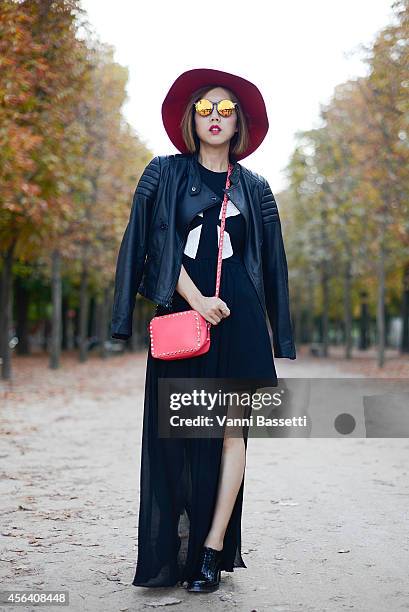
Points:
point(191, 489)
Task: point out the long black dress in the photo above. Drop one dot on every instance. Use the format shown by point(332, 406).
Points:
point(179, 477)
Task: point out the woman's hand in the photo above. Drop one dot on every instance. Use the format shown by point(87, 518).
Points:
point(213, 309)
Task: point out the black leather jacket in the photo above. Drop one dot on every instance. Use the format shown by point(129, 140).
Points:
point(168, 196)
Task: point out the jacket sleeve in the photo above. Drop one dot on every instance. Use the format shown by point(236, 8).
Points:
point(275, 277)
point(132, 252)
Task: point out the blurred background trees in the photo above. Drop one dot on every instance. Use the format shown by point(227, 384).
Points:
point(347, 206)
point(69, 163)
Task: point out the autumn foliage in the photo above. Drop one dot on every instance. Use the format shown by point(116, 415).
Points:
point(347, 207)
point(69, 161)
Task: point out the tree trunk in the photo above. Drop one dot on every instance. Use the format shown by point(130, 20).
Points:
point(6, 311)
point(325, 308)
point(1, 311)
point(363, 322)
point(309, 320)
point(92, 318)
point(22, 299)
point(83, 314)
point(405, 311)
point(70, 329)
point(380, 317)
point(103, 323)
point(76, 327)
point(56, 318)
point(348, 310)
point(64, 309)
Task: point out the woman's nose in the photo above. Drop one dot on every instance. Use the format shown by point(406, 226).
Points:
point(214, 113)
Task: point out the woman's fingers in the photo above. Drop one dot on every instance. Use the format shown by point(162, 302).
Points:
point(220, 311)
point(213, 309)
point(223, 309)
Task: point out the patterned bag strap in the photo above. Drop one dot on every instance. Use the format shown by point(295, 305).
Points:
point(224, 207)
point(220, 257)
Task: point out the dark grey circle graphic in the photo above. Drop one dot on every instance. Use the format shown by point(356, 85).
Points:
point(345, 423)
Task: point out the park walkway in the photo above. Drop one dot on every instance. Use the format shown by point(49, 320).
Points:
point(324, 520)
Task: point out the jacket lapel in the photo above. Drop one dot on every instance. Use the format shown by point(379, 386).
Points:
point(198, 196)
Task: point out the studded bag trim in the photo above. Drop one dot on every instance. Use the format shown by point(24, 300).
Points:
point(186, 334)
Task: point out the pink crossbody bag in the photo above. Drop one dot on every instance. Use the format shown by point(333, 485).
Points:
point(186, 334)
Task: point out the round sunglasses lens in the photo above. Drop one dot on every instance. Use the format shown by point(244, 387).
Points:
point(225, 107)
point(204, 107)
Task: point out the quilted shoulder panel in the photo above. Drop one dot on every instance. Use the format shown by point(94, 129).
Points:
point(268, 204)
point(269, 210)
point(149, 181)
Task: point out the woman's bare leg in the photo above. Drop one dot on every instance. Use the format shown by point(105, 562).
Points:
point(230, 479)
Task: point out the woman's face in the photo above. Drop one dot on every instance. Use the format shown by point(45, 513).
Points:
point(227, 125)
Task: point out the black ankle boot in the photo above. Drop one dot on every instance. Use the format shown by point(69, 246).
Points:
point(208, 579)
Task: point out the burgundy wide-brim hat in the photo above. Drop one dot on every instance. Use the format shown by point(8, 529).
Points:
point(250, 99)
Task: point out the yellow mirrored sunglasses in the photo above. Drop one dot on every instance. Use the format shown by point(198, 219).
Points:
point(205, 107)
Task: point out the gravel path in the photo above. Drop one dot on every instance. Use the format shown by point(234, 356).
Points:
point(322, 518)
